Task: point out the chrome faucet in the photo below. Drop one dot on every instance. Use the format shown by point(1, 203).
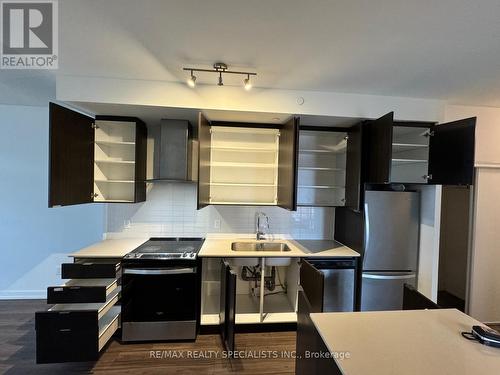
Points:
point(260, 227)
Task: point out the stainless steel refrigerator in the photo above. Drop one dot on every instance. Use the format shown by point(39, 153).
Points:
point(391, 248)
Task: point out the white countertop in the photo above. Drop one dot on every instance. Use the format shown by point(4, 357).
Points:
point(109, 248)
point(221, 248)
point(406, 342)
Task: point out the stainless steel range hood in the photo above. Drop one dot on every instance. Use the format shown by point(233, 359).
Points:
point(173, 152)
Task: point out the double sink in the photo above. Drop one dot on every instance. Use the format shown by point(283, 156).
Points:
point(277, 247)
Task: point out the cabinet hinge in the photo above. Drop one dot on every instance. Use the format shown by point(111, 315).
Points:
point(94, 195)
point(95, 126)
point(427, 177)
point(346, 138)
point(428, 133)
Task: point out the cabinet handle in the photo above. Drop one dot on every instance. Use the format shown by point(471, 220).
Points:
point(94, 195)
point(427, 177)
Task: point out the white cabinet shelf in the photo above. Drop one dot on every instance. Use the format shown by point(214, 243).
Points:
point(116, 181)
point(408, 161)
point(121, 162)
point(410, 154)
point(243, 166)
point(115, 143)
point(114, 168)
point(321, 169)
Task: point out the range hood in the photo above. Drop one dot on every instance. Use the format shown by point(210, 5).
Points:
point(173, 152)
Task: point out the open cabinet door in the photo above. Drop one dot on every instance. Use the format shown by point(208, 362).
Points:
point(378, 136)
point(288, 164)
point(451, 153)
point(353, 175)
point(204, 140)
point(71, 155)
point(312, 282)
point(227, 311)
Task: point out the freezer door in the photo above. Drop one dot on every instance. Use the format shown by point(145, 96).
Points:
point(381, 291)
point(391, 231)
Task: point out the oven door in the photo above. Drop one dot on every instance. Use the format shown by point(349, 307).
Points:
point(159, 303)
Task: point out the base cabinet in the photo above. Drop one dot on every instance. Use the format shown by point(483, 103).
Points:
point(310, 345)
point(85, 317)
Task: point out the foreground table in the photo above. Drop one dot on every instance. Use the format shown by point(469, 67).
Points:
point(404, 342)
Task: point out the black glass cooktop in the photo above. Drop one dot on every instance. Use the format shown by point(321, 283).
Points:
point(164, 248)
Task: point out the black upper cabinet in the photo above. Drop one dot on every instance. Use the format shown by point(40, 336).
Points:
point(71, 138)
point(412, 152)
point(95, 160)
point(354, 168)
point(288, 164)
point(378, 143)
point(451, 153)
point(203, 161)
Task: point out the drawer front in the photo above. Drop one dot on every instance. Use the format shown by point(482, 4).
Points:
point(90, 270)
point(76, 294)
point(54, 321)
point(73, 336)
point(66, 345)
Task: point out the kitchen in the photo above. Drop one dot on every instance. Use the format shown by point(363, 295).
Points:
point(223, 227)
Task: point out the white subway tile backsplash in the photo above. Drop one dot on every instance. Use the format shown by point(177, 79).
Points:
point(170, 210)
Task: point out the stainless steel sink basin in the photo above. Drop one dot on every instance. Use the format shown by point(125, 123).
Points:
point(260, 246)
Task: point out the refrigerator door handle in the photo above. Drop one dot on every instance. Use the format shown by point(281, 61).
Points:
point(376, 276)
point(367, 226)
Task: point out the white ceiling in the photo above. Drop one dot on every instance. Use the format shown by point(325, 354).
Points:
point(447, 49)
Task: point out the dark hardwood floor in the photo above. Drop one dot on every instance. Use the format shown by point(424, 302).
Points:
point(17, 351)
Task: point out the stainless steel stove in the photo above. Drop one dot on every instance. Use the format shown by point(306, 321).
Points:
point(167, 248)
point(161, 286)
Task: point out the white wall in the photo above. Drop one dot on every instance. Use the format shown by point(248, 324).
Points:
point(34, 239)
point(170, 210)
point(484, 293)
point(484, 284)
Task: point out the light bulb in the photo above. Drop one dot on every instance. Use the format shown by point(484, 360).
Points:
point(192, 81)
point(247, 83)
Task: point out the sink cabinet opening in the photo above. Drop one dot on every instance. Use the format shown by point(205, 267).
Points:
point(280, 303)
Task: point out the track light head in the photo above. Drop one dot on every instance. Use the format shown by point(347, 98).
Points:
point(247, 84)
point(191, 80)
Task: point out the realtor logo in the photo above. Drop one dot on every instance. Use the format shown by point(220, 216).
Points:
point(29, 34)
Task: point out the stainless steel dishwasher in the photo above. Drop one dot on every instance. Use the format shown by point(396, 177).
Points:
point(330, 283)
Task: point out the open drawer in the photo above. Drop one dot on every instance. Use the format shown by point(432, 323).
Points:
point(82, 291)
point(72, 335)
point(91, 269)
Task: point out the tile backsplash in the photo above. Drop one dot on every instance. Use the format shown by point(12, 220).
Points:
point(170, 210)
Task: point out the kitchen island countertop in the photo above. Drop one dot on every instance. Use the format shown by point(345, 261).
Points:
point(405, 342)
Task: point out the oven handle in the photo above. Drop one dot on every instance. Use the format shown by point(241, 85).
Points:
point(158, 271)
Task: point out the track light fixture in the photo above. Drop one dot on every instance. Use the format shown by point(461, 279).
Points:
point(246, 83)
point(220, 69)
point(191, 80)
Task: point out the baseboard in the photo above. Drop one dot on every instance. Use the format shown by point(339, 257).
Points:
point(23, 294)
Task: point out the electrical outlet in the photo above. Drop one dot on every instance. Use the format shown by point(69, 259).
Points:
point(217, 224)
